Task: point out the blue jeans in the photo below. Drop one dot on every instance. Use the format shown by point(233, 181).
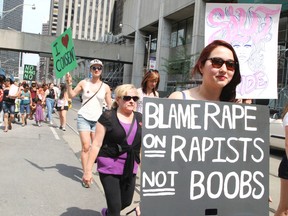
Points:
point(8, 107)
point(50, 106)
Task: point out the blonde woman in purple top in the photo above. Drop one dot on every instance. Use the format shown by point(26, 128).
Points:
point(117, 146)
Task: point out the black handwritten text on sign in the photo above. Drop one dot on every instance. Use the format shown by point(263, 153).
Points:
point(198, 156)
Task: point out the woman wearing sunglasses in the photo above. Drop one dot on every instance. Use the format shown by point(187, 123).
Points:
point(149, 86)
point(117, 146)
point(94, 92)
point(219, 67)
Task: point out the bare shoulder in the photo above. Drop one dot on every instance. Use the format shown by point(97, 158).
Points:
point(176, 95)
point(107, 87)
point(82, 83)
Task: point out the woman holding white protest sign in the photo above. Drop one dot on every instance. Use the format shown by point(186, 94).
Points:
point(283, 171)
point(219, 67)
point(94, 92)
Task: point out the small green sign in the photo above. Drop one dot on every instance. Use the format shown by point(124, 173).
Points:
point(29, 72)
point(63, 54)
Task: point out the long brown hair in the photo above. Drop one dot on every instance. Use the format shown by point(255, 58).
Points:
point(229, 91)
point(150, 75)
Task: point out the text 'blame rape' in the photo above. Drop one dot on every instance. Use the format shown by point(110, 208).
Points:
point(185, 116)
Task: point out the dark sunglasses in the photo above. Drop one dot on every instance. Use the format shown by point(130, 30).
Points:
point(128, 98)
point(218, 62)
point(96, 68)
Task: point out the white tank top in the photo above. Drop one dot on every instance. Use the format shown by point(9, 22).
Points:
point(141, 95)
point(94, 107)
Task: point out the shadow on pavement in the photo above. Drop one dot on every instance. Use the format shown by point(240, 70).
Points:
point(74, 211)
point(74, 173)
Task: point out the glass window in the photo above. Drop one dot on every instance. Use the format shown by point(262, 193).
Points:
point(181, 33)
point(189, 30)
point(173, 42)
point(173, 39)
point(153, 47)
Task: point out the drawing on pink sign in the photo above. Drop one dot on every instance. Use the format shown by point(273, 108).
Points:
point(248, 31)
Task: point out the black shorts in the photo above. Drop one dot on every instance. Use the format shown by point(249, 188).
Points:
point(283, 168)
point(59, 108)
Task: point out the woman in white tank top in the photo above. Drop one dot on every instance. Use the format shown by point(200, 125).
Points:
point(94, 92)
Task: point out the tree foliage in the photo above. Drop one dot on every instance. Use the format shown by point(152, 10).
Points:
point(178, 67)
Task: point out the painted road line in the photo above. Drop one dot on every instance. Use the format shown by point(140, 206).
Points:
point(55, 133)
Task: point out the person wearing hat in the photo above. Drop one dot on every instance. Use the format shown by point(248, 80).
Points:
point(94, 92)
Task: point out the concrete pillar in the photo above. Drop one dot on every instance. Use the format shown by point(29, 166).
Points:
point(139, 50)
point(138, 59)
point(127, 70)
point(127, 74)
point(198, 27)
point(163, 49)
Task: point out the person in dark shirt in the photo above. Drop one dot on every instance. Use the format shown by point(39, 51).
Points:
point(33, 91)
point(2, 79)
point(10, 94)
point(117, 146)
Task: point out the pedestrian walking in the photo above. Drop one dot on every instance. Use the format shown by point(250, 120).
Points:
point(117, 147)
point(40, 104)
point(25, 103)
point(62, 106)
point(33, 92)
point(149, 87)
point(282, 209)
point(11, 92)
point(94, 91)
point(2, 79)
point(50, 102)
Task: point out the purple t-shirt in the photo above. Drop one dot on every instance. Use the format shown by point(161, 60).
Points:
point(115, 166)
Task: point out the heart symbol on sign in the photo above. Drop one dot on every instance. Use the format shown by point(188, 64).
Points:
point(65, 40)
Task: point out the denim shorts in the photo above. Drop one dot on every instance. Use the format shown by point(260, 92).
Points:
point(8, 108)
point(85, 125)
point(25, 107)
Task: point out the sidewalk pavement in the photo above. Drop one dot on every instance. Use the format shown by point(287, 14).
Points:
point(41, 172)
point(40, 175)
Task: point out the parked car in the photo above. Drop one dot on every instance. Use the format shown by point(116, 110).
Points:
point(277, 134)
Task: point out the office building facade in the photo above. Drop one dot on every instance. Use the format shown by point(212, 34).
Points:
point(89, 20)
point(11, 13)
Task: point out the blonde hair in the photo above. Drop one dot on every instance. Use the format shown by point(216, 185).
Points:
point(121, 91)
